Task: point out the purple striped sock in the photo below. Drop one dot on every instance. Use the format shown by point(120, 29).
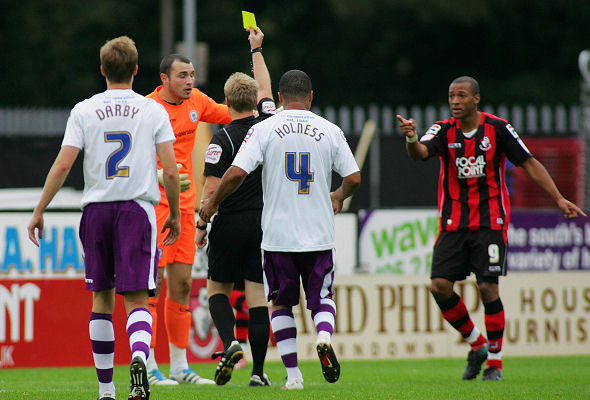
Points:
point(324, 316)
point(139, 330)
point(285, 333)
point(102, 338)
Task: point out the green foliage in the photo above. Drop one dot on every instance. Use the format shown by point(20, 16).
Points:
point(51, 47)
point(525, 378)
point(378, 51)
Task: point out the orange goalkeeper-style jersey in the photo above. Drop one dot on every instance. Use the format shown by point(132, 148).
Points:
point(184, 118)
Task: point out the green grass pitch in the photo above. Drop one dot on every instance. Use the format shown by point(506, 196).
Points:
point(437, 379)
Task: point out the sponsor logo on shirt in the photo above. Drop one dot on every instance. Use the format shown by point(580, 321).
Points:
point(470, 167)
point(213, 154)
point(454, 145)
point(494, 268)
point(485, 144)
point(268, 107)
point(194, 116)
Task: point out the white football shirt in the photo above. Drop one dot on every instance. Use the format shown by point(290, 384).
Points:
point(298, 150)
point(118, 130)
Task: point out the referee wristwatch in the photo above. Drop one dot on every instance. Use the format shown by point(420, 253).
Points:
point(202, 227)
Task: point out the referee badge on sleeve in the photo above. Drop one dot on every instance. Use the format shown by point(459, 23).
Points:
point(213, 154)
point(268, 107)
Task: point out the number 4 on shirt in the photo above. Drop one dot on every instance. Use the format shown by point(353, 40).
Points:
point(301, 174)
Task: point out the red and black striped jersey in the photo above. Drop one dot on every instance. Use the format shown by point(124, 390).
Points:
point(472, 191)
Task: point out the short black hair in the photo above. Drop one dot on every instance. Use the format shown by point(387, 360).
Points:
point(167, 61)
point(467, 79)
point(295, 84)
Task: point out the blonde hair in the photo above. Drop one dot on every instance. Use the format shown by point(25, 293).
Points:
point(118, 58)
point(241, 91)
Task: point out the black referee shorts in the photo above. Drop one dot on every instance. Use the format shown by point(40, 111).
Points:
point(234, 247)
point(459, 253)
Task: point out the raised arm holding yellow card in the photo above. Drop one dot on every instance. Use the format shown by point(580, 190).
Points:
point(249, 20)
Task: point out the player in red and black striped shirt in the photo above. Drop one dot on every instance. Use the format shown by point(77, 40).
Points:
point(474, 210)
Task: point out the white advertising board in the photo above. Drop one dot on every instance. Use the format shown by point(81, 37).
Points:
point(379, 315)
point(61, 255)
point(397, 241)
point(394, 316)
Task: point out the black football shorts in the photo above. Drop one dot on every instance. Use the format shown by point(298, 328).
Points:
point(234, 247)
point(459, 253)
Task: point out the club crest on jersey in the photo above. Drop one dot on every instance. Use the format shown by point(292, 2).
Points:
point(485, 144)
point(194, 116)
point(213, 154)
point(470, 167)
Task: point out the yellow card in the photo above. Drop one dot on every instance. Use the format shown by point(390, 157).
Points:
point(249, 20)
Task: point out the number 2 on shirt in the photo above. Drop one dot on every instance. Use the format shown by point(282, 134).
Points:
point(113, 169)
point(301, 174)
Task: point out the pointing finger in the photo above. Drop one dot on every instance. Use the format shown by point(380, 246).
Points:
point(401, 119)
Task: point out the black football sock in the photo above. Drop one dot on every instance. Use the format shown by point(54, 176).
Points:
point(258, 334)
point(223, 318)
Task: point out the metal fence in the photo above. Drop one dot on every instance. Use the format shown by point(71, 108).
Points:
point(529, 120)
point(33, 121)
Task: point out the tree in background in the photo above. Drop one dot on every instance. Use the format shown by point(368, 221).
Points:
point(379, 51)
